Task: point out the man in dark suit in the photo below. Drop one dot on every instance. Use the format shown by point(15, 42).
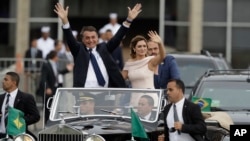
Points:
point(19, 100)
point(84, 75)
point(117, 53)
point(145, 108)
point(186, 123)
point(167, 70)
point(33, 53)
point(49, 78)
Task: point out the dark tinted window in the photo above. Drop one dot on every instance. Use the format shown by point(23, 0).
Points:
point(226, 94)
point(192, 69)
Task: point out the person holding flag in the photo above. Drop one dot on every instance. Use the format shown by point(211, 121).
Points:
point(18, 109)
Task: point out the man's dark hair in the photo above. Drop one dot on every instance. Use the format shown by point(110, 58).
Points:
point(149, 99)
point(88, 28)
point(179, 83)
point(14, 77)
point(52, 54)
point(108, 30)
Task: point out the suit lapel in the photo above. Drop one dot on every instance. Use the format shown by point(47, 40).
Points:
point(1, 100)
point(185, 111)
point(18, 98)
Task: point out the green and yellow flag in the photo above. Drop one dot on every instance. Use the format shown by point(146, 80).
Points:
point(137, 127)
point(204, 103)
point(16, 123)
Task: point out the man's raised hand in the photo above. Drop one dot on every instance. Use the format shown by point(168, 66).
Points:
point(62, 13)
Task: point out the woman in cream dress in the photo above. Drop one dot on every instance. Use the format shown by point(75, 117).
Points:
point(139, 70)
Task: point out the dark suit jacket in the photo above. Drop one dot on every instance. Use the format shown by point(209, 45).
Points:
point(194, 123)
point(81, 58)
point(26, 103)
point(28, 63)
point(118, 57)
point(167, 70)
point(48, 78)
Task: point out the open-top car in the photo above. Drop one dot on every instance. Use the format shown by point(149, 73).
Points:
point(98, 114)
point(110, 118)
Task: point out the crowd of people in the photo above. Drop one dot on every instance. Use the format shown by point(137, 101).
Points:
point(96, 61)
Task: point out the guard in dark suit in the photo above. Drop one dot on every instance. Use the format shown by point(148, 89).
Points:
point(187, 122)
point(80, 50)
point(49, 79)
point(19, 100)
point(33, 53)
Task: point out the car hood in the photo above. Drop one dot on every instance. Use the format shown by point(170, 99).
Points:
point(240, 117)
point(102, 125)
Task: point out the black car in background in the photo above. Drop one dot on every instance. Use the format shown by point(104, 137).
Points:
point(229, 91)
point(192, 66)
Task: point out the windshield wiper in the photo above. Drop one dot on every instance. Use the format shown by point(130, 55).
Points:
point(110, 112)
point(66, 112)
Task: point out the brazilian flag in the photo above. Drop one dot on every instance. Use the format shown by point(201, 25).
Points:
point(16, 123)
point(137, 127)
point(204, 103)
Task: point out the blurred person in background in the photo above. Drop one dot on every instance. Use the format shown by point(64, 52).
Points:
point(45, 43)
point(113, 24)
point(49, 79)
point(117, 53)
point(32, 54)
point(32, 64)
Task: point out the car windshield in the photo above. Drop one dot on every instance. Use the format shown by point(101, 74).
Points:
point(227, 95)
point(191, 69)
point(83, 102)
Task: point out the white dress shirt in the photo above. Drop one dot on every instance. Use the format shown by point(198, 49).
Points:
point(174, 136)
point(91, 80)
point(45, 45)
point(11, 104)
point(113, 28)
point(147, 117)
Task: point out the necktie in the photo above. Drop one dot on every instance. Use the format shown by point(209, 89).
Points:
point(176, 116)
point(97, 70)
point(6, 109)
